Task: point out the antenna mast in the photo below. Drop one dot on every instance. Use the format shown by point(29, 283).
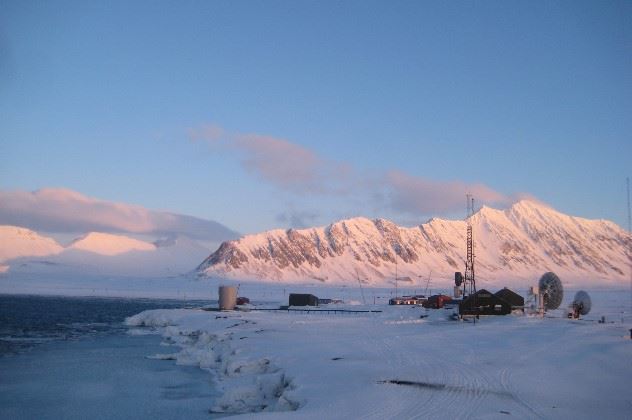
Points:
point(629, 216)
point(396, 272)
point(629, 233)
point(469, 283)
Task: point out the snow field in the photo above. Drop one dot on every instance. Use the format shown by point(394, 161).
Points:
point(396, 364)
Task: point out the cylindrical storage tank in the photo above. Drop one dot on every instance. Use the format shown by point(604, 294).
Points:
point(227, 298)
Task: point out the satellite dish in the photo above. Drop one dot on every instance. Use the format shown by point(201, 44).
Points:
point(551, 290)
point(581, 302)
point(458, 278)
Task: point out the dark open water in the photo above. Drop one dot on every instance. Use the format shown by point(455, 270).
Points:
point(71, 358)
point(27, 321)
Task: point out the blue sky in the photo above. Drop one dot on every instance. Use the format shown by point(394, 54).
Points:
point(383, 109)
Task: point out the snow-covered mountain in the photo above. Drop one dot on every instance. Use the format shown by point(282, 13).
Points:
point(124, 256)
point(19, 242)
point(96, 253)
point(521, 242)
point(108, 244)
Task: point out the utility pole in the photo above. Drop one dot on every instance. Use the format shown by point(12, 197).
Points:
point(427, 283)
point(395, 248)
point(361, 289)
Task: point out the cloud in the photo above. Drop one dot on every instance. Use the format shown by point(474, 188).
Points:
point(298, 170)
point(281, 162)
point(208, 132)
point(297, 219)
point(412, 194)
point(286, 165)
point(61, 210)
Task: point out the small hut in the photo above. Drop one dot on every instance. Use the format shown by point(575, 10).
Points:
point(484, 302)
point(303, 299)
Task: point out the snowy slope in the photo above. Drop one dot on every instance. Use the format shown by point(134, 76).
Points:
point(16, 242)
point(108, 244)
point(23, 251)
point(518, 243)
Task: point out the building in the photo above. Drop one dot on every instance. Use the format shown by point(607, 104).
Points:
point(407, 300)
point(303, 299)
point(484, 302)
point(436, 301)
point(514, 299)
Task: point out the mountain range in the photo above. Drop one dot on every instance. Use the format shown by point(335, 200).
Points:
point(26, 251)
point(521, 242)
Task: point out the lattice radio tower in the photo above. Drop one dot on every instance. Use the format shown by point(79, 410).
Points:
point(469, 283)
point(629, 233)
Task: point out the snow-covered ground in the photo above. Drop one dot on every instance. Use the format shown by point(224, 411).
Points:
point(395, 363)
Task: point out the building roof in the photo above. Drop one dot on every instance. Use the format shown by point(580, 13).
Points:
point(510, 296)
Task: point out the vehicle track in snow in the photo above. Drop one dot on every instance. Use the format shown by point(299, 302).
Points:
point(448, 383)
point(456, 384)
point(553, 341)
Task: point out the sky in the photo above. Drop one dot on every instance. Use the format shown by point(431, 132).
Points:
point(276, 114)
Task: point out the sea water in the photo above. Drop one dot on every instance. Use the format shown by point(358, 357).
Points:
point(72, 358)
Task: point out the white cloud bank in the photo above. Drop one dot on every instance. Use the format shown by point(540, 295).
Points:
point(287, 165)
point(59, 210)
point(296, 169)
point(419, 195)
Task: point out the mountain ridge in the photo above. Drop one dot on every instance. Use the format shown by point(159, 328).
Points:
point(526, 239)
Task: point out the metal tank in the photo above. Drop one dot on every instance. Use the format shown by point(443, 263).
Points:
point(227, 298)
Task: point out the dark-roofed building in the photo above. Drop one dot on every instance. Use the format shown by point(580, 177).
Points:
point(303, 299)
point(484, 302)
point(514, 299)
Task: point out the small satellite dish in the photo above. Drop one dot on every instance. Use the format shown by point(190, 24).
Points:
point(581, 302)
point(458, 278)
point(551, 290)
